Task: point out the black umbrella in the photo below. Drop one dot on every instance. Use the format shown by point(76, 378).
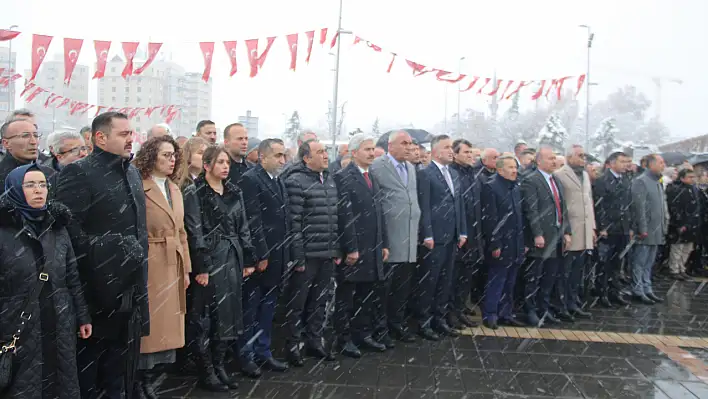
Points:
point(698, 158)
point(674, 157)
point(419, 136)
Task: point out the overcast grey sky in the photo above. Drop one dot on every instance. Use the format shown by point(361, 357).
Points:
point(635, 40)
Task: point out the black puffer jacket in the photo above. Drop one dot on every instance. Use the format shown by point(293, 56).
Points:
point(314, 212)
point(45, 364)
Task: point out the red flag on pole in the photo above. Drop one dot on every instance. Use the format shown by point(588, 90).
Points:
point(310, 41)
point(207, 52)
point(6, 35)
point(581, 80)
point(40, 44)
point(231, 52)
point(390, 64)
point(129, 50)
point(72, 49)
point(334, 40)
point(323, 35)
point(101, 48)
point(254, 59)
point(153, 49)
point(292, 44)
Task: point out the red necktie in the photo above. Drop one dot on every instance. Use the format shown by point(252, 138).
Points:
point(556, 198)
point(368, 181)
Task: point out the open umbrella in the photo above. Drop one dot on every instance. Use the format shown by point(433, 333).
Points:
point(674, 157)
point(419, 136)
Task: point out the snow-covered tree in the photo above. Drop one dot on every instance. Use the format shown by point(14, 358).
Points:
point(375, 130)
point(553, 133)
point(293, 128)
point(604, 140)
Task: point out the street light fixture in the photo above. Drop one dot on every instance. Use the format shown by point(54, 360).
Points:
point(591, 36)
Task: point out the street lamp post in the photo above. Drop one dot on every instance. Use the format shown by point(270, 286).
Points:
point(11, 93)
point(587, 87)
point(335, 94)
point(459, 71)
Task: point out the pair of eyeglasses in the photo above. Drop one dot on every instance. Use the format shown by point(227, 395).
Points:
point(34, 185)
point(25, 136)
point(75, 151)
point(169, 155)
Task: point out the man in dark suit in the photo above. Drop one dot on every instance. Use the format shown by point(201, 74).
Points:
point(547, 236)
point(443, 229)
point(268, 218)
point(362, 232)
point(504, 242)
point(236, 144)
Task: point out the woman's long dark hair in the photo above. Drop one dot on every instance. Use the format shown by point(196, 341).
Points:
point(146, 159)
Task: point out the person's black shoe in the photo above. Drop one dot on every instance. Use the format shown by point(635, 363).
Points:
point(250, 369)
point(212, 384)
point(387, 341)
point(466, 322)
point(428, 333)
point(678, 277)
point(146, 381)
point(402, 335)
point(294, 357)
point(469, 311)
point(490, 324)
point(549, 319)
point(454, 321)
point(643, 299)
point(348, 349)
point(686, 276)
point(272, 364)
point(511, 322)
point(605, 302)
point(566, 317)
point(369, 343)
point(655, 298)
point(444, 329)
point(316, 350)
point(580, 314)
point(225, 377)
point(619, 300)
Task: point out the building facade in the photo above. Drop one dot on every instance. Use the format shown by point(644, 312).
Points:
point(7, 97)
point(250, 122)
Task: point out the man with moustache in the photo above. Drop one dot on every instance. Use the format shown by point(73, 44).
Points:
point(236, 144)
point(21, 142)
point(443, 228)
point(206, 129)
point(108, 231)
point(269, 220)
point(363, 233)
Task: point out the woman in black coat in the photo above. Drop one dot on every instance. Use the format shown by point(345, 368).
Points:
point(33, 235)
point(222, 255)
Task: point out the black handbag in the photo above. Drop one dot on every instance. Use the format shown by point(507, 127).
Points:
point(7, 350)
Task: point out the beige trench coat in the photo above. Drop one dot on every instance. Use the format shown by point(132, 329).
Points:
point(168, 261)
point(581, 210)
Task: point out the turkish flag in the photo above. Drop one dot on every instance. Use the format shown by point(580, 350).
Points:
point(6, 35)
point(6, 80)
point(28, 87)
point(254, 59)
point(129, 50)
point(442, 76)
point(63, 103)
point(519, 87)
point(558, 84)
point(390, 64)
point(472, 84)
point(49, 99)
point(40, 44)
point(208, 53)
point(153, 49)
point(508, 85)
point(538, 94)
point(496, 88)
point(86, 109)
point(292, 44)
point(486, 82)
point(323, 35)
point(99, 108)
point(334, 40)
point(310, 41)
point(72, 49)
point(37, 91)
point(231, 52)
point(416, 67)
point(581, 80)
point(101, 48)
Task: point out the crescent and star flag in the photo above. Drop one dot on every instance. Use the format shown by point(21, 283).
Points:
point(40, 44)
point(72, 49)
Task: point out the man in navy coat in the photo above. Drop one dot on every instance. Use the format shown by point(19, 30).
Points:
point(443, 230)
point(268, 217)
point(503, 227)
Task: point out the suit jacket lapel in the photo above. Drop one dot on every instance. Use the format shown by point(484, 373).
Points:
point(396, 176)
point(354, 171)
point(438, 172)
point(153, 193)
point(572, 176)
point(270, 183)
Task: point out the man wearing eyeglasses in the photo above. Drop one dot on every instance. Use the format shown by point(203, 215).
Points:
point(65, 147)
point(21, 141)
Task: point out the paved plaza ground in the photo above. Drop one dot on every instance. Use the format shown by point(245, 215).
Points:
point(640, 351)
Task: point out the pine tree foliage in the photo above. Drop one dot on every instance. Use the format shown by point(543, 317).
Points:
point(553, 133)
point(293, 129)
point(604, 140)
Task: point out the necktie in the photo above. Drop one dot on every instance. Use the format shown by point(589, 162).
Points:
point(448, 179)
point(368, 180)
point(402, 173)
point(556, 199)
point(321, 178)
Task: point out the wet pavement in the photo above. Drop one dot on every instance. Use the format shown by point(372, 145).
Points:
point(562, 362)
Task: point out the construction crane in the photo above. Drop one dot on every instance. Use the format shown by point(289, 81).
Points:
point(658, 81)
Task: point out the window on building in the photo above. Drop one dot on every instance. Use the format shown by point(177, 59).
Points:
point(113, 89)
point(113, 69)
point(127, 99)
point(137, 119)
point(139, 89)
point(113, 100)
point(138, 100)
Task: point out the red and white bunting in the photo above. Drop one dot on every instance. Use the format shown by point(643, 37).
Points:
point(292, 44)
point(102, 47)
point(230, 47)
point(40, 44)
point(208, 53)
point(129, 50)
point(72, 49)
point(153, 49)
point(254, 58)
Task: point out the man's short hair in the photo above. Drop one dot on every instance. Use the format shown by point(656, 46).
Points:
point(392, 136)
point(437, 139)
point(5, 126)
point(501, 159)
point(570, 151)
point(519, 145)
point(304, 150)
point(19, 113)
point(266, 145)
point(528, 151)
point(613, 157)
point(104, 121)
point(650, 159)
point(301, 136)
point(457, 145)
point(359, 138)
point(203, 123)
point(56, 140)
point(227, 129)
point(684, 172)
point(85, 129)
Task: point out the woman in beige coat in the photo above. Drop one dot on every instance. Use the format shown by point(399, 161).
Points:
point(168, 258)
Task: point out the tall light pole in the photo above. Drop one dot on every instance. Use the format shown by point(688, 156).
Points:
point(459, 71)
point(11, 92)
point(587, 88)
point(333, 122)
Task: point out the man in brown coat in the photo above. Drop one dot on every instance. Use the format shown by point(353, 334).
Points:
point(577, 191)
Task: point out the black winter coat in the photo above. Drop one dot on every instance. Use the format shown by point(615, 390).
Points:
point(314, 208)
point(502, 221)
point(684, 204)
point(109, 233)
point(45, 364)
point(471, 187)
point(362, 226)
point(217, 231)
point(613, 200)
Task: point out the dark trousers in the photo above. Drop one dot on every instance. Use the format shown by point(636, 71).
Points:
point(571, 273)
point(102, 364)
point(396, 292)
point(258, 311)
point(434, 282)
point(499, 298)
point(354, 304)
point(308, 293)
point(466, 270)
point(611, 251)
point(540, 276)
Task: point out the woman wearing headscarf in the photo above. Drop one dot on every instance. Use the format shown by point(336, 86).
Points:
point(36, 253)
point(168, 259)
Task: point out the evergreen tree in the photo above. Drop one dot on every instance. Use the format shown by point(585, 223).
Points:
point(604, 140)
point(293, 128)
point(553, 133)
point(375, 128)
point(357, 131)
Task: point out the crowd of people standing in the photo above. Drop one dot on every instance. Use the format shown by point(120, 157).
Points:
point(183, 252)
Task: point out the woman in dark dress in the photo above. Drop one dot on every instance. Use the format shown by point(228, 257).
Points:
point(222, 255)
point(33, 235)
